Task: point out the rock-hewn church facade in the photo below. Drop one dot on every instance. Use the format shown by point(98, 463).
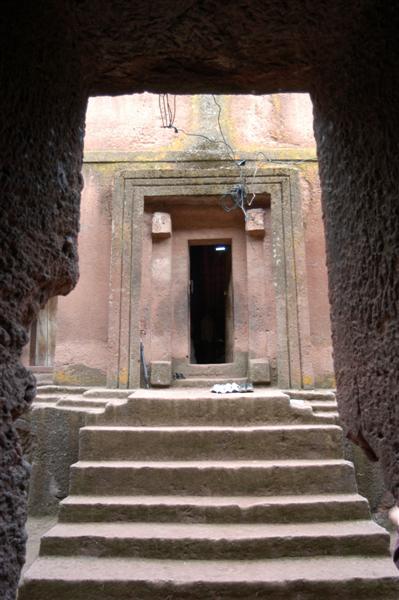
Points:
point(201, 248)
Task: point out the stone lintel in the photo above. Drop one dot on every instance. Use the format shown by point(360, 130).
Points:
point(161, 373)
point(255, 223)
point(259, 370)
point(161, 225)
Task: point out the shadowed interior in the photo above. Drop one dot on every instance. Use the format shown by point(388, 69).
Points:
point(210, 270)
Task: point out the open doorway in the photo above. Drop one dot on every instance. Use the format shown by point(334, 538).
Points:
point(210, 302)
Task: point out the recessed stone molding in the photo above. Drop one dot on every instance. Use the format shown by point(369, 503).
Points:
point(294, 365)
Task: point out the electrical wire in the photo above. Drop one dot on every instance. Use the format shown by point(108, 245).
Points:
point(168, 112)
point(232, 155)
point(238, 196)
point(168, 117)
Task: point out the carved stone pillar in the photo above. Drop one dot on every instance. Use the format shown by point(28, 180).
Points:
point(161, 301)
point(258, 363)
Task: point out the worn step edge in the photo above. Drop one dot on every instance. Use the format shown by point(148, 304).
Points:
point(95, 410)
point(83, 402)
point(212, 464)
point(267, 442)
point(310, 394)
point(107, 393)
point(285, 427)
point(46, 398)
point(304, 508)
point(240, 477)
point(241, 501)
point(325, 404)
point(196, 394)
point(328, 416)
point(200, 407)
point(347, 578)
point(229, 541)
point(62, 389)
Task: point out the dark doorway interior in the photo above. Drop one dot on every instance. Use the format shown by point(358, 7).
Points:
point(210, 272)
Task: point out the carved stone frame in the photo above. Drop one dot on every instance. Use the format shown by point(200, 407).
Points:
point(294, 365)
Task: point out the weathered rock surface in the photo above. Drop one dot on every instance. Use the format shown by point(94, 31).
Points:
point(42, 110)
point(355, 123)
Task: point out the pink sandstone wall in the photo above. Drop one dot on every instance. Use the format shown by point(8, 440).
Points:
point(133, 124)
point(319, 307)
point(251, 123)
point(81, 351)
point(125, 132)
point(277, 121)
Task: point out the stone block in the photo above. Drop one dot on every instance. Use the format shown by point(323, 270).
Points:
point(255, 223)
point(161, 373)
point(161, 225)
point(259, 370)
point(55, 436)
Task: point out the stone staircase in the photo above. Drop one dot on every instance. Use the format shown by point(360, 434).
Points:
point(322, 402)
point(182, 495)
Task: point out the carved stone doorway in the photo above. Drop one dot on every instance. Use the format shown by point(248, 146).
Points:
point(157, 215)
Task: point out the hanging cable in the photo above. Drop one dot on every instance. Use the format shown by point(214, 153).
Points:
point(238, 196)
point(232, 155)
point(167, 111)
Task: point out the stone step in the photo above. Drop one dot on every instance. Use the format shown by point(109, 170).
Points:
point(62, 389)
point(310, 578)
point(88, 409)
point(82, 402)
point(213, 509)
point(211, 442)
point(46, 399)
point(276, 506)
point(218, 478)
point(107, 393)
point(182, 541)
point(69, 403)
point(327, 417)
point(199, 407)
point(311, 394)
point(205, 382)
point(324, 405)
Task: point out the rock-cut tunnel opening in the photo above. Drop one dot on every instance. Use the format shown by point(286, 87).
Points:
point(345, 57)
